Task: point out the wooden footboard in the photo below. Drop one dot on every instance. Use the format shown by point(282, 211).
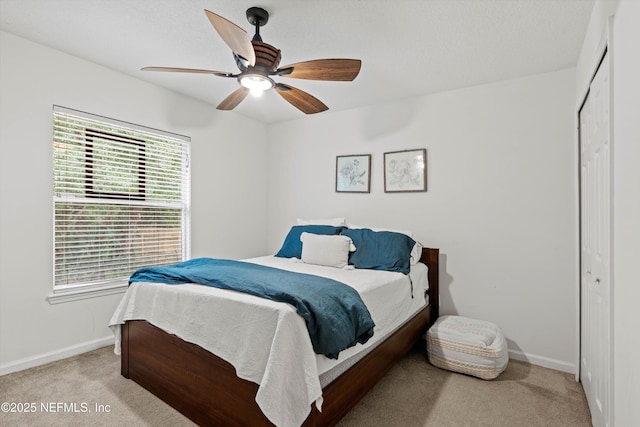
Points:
point(205, 388)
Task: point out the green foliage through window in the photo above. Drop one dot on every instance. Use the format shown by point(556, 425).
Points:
point(121, 199)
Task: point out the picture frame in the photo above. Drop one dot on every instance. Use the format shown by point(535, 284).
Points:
point(353, 173)
point(405, 171)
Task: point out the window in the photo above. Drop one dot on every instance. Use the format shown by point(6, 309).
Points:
point(121, 200)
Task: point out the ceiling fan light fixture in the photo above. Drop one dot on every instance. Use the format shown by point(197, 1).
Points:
point(256, 83)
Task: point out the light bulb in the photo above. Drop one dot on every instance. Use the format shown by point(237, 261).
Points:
point(256, 83)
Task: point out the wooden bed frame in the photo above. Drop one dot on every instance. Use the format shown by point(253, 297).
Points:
point(206, 390)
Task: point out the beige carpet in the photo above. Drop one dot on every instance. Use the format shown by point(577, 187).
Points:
point(413, 393)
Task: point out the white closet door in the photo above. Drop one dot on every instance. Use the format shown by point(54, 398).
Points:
point(595, 237)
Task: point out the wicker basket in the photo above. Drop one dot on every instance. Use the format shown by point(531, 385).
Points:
point(468, 346)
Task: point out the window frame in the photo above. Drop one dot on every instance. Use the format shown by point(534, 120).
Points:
point(72, 292)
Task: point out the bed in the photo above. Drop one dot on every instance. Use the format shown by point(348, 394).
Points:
point(209, 390)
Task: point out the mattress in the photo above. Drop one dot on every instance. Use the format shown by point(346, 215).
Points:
point(332, 374)
point(266, 341)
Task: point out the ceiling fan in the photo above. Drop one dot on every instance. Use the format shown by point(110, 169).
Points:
point(258, 62)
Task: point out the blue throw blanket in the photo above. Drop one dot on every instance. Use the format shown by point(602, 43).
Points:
point(336, 316)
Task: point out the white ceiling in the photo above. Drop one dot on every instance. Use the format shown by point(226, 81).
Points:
point(407, 47)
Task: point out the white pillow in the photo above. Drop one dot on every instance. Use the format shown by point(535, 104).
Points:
point(416, 251)
point(336, 222)
point(332, 251)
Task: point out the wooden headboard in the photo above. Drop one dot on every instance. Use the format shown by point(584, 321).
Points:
point(431, 258)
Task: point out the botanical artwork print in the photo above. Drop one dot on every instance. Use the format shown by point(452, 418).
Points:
point(352, 174)
point(404, 171)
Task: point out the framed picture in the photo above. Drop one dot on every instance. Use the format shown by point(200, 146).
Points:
point(405, 171)
point(353, 173)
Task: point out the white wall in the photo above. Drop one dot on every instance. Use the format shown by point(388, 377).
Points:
point(626, 212)
point(499, 205)
point(228, 197)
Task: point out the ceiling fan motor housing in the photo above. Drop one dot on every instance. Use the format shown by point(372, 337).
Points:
point(267, 56)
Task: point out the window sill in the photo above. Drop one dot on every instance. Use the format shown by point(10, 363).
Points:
point(69, 295)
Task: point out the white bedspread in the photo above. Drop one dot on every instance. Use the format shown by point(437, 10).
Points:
point(267, 342)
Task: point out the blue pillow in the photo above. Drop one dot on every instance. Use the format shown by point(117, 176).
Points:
point(292, 246)
point(380, 250)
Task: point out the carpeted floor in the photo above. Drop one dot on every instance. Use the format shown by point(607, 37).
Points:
point(88, 390)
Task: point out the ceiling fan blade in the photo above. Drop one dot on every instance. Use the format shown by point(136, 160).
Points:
point(232, 101)
point(300, 99)
point(323, 69)
point(235, 37)
point(190, 70)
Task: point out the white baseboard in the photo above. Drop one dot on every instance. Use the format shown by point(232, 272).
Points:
point(52, 356)
point(546, 362)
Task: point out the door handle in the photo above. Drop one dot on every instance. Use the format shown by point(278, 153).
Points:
point(597, 281)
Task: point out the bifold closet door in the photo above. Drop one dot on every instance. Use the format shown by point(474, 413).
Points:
point(595, 206)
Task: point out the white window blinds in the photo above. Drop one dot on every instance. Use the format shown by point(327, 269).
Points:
point(121, 199)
